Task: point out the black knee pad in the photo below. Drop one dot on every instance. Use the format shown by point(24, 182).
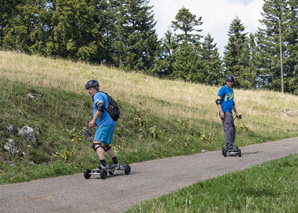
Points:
point(107, 148)
point(94, 144)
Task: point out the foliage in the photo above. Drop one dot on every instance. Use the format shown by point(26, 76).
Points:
point(282, 12)
point(121, 33)
point(236, 57)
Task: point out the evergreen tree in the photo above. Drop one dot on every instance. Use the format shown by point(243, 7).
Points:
point(24, 28)
point(167, 48)
point(114, 36)
point(212, 65)
point(290, 32)
point(75, 31)
point(253, 60)
point(187, 56)
point(8, 10)
point(283, 12)
point(187, 64)
point(140, 36)
point(236, 55)
point(187, 23)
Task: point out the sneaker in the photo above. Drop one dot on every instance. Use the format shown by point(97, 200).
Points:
point(114, 166)
point(100, 167)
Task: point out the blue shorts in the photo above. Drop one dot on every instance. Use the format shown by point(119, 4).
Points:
point(105, 134)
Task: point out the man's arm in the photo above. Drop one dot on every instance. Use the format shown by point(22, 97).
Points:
point(235, 110)
point(95, 117)
point(221, 113)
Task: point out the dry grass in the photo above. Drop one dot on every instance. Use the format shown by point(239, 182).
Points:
point(263, 111)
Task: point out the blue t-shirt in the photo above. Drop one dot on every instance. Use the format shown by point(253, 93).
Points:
point(227, 98)
point(105, 118)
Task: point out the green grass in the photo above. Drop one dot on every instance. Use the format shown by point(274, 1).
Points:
point(60, 115)
point(159, 118)
point(271, 187)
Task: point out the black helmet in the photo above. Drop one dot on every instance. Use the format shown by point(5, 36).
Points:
point(230, 78)
point(92, 83)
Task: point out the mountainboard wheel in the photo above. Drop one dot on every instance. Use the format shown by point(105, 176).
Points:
point(239, 152)
point(103, 174)
point(222, 150)
point(127, 169)
point(87, 174)
point(225, 152)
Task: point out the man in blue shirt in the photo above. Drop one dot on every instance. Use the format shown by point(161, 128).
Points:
point(226, 105)
point(105, 125)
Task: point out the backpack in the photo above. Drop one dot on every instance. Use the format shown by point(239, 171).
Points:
point(113, 108)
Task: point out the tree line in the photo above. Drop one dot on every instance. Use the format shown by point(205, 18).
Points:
point(121, 33)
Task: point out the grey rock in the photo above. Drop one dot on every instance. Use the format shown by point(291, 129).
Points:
point(28, 135)
point(35, 96)
point(11, 146)
point(10, 130)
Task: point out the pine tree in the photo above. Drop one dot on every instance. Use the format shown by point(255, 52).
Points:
point(236, 55)
point(187, 62)
point(290, 32)
point(253, 60)
point(187, 22)
point(8, 11)
point(212, 65)
point(283, 12)
point(114, 35)
point(167, 48)
point(140, 36)
point(23, 31)
point(75, 31)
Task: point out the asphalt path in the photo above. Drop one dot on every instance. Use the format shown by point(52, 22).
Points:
point(147, 180)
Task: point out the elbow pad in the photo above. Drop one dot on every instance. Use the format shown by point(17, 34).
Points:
point(101, 106)
point(217, 101)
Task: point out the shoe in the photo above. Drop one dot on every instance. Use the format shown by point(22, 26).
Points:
point(100, 167)
point(114, 166)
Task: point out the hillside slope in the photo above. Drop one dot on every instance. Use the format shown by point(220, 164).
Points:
point(159, 118)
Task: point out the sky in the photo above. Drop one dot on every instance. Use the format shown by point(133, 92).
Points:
point(217, 16)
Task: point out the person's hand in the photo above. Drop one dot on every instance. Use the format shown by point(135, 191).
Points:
point(222, 115)
point(238, 116)
point(91, 124)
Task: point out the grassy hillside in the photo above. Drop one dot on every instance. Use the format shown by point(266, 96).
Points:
point(160, 118)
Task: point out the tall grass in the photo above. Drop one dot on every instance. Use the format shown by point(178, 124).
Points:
point(263, 111)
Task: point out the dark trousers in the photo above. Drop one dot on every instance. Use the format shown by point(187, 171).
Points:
point(230, 130)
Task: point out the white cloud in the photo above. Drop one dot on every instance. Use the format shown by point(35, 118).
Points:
point(217, 15)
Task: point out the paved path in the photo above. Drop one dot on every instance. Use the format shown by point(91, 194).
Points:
point(147, 180)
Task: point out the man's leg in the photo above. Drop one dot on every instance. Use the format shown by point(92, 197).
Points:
point(98, 147)
point(234, 132)
point(109, 150)
point(228, 127)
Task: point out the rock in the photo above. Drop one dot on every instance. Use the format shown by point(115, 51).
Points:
point(11, 147)
point(203, 151)
point(35, 96)
point(9, 129)
point(28, 135)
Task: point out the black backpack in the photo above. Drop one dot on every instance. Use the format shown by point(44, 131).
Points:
point(113, 108)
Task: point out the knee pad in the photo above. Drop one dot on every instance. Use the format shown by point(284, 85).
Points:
point(95, 148)
point(107, 148)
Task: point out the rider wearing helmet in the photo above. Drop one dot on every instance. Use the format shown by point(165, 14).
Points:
point(226, 105)
point(105, 125)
